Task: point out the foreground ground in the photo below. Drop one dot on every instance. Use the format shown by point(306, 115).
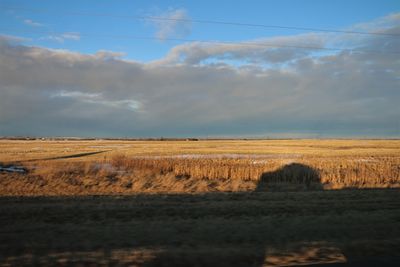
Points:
point(357, 227)
point(200, 203)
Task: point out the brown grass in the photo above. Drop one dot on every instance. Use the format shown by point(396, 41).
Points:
point(133, 169)
point(337, 172)
point(19, 150)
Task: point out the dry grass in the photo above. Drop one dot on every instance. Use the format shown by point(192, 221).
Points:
point(77, 167)
point(331, 172)
point(19, 150)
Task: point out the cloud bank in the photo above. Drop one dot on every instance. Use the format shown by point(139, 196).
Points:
point(202, 89)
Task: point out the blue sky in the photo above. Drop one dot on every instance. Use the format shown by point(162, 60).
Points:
point(74, 68)
point(56, 17)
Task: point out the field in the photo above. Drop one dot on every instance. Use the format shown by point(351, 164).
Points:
point(126, 167)
point(199, 203)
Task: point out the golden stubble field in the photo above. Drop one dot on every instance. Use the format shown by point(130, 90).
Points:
point(84, 167)
point(17, 150)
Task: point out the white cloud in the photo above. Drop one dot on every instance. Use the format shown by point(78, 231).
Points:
point(98, 99)
point(283, 49)
point(174, 23)
point(379, 25)
point(71, 36)
point(105, 54)
point(59, 92)
point(12, 39)
point(61, 38)
point(271, 50)
point(32, 23)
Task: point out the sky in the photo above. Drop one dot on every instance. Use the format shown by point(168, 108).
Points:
point(200, 68)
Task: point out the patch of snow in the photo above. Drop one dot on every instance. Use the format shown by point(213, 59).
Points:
point(259, 162)
point(18, 169)
point(223, 156)
point(109, 146)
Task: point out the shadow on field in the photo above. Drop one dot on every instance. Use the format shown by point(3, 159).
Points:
point(291, 177)
point(286, 226)
point(78, 155)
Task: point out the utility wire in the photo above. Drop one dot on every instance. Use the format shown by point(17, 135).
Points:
point(255, 44)
point(155, 18)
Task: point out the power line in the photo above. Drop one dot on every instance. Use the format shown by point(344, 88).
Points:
point(255, 44)
point(155, 18)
